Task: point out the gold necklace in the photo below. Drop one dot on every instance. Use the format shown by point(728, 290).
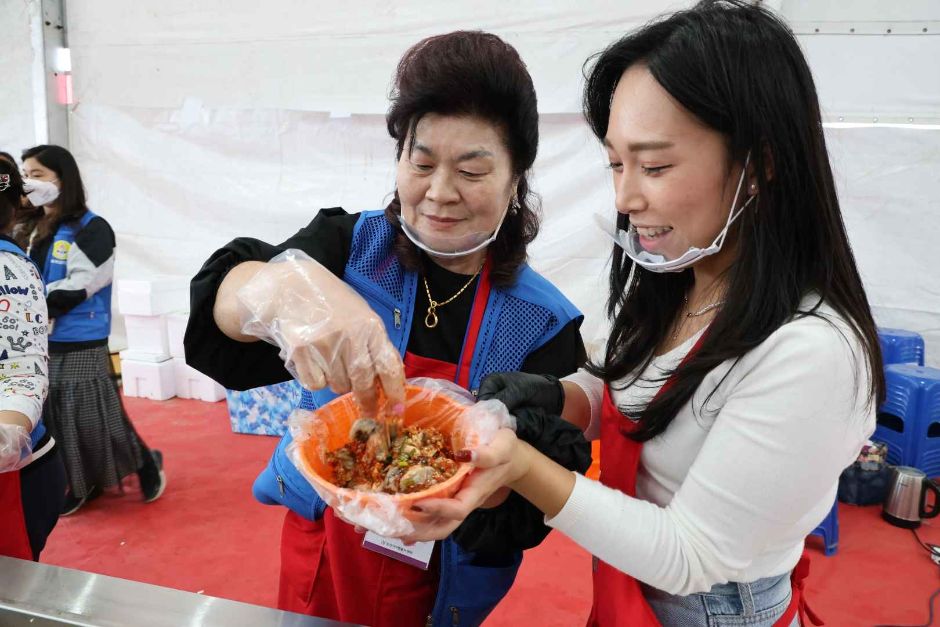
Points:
point(430, 320)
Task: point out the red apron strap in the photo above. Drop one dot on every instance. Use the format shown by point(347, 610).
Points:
point(480, 299)
point(798, 599)
point(14, 540)
point(618, 597)
point(418, 366)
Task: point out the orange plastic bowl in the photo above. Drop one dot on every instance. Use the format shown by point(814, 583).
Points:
point(429, 410)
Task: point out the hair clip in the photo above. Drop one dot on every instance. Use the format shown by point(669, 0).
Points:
point(4, 182)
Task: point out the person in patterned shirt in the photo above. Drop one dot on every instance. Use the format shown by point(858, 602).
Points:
point(32, 476)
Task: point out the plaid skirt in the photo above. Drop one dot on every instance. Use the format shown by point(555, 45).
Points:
point(86, 417)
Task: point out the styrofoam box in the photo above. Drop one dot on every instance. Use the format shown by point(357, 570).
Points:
point(190, 383)
point(153, 358)
point(146, 334)
point(152, 297)
point(148, 379)
point(175, 330)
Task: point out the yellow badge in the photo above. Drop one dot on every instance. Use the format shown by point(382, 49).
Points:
point(60, 250)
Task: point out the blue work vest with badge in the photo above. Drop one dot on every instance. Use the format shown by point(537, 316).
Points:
point(91, 320)
point(7, 246)
point(516, 321)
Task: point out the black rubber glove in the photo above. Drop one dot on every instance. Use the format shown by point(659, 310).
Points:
point(494, 534)
point(519, 390)
point(517, 524)
point(554, 437)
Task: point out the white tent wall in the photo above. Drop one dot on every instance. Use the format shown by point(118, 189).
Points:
point(22, 98)
point(198, 122)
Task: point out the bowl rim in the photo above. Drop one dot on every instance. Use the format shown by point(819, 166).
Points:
point(448, 486)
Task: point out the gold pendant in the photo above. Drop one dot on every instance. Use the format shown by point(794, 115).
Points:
point(430, 320)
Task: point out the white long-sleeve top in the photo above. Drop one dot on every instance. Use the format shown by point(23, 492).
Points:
point(24, 351)
point(729, 491)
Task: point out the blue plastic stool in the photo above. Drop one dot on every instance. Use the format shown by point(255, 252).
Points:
point(909, 419)
point(829, 530)
point(901, 347)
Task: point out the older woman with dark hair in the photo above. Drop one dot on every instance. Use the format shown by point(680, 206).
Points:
point(435, 285)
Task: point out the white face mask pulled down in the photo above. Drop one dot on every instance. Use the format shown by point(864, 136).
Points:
point(629, 240)
point(451, 246)
point(40, 193)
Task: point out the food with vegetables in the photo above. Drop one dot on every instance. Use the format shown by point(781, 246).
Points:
point(402, 462)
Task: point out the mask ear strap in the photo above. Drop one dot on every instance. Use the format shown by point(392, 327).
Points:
point(733, 215)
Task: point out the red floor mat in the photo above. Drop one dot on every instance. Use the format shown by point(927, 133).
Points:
point(207, 534)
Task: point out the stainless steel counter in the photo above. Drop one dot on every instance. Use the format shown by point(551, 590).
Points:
point(39, 595)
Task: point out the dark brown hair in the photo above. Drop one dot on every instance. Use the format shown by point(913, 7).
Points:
point(738, 69)
point(476, 74)
point(10, 197)
point(70, 205)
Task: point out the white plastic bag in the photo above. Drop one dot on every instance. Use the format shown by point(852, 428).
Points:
point(443, 405)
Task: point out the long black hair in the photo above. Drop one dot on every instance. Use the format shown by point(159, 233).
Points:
point(479, 74)
point(70, 205)
point(740, 71)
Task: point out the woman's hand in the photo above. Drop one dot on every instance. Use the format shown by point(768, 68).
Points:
point(497, 465)
point(327, 333)
point(15, 445)
point(518, 390)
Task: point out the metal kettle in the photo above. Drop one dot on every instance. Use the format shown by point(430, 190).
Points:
point(906, 501)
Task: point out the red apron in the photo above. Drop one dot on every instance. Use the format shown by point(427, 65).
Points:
point(618, 597)
point(14, 541)
point(325, 572)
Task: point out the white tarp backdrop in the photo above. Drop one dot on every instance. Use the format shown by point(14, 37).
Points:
point(20, 53)
point(198, 122)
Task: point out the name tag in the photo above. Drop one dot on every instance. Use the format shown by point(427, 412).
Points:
point(417, 555)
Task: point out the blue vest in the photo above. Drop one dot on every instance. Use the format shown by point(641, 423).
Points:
point(524, 316)
point(91, 320)
point(9, 247)
point(517, 321)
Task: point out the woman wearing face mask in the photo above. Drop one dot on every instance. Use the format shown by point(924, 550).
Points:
point(32, 478)
point(743, 369)
point(35, 194)
point(74, 249)
point(435, 285)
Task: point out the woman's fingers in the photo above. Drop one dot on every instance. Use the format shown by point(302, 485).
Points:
point(436, 529)
point(497, 452)
point(492, 473)
point(311, 376)
point(362, 378)
point(338, 373)
point(446, 509)
point(388, 366)
point(475, 491)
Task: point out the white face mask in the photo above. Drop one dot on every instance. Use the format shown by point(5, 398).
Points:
point(459, 246)
point(629, 240)
point(40, 193)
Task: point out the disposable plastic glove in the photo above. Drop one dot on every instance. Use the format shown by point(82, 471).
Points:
point(16, 447)
point(327, 333)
